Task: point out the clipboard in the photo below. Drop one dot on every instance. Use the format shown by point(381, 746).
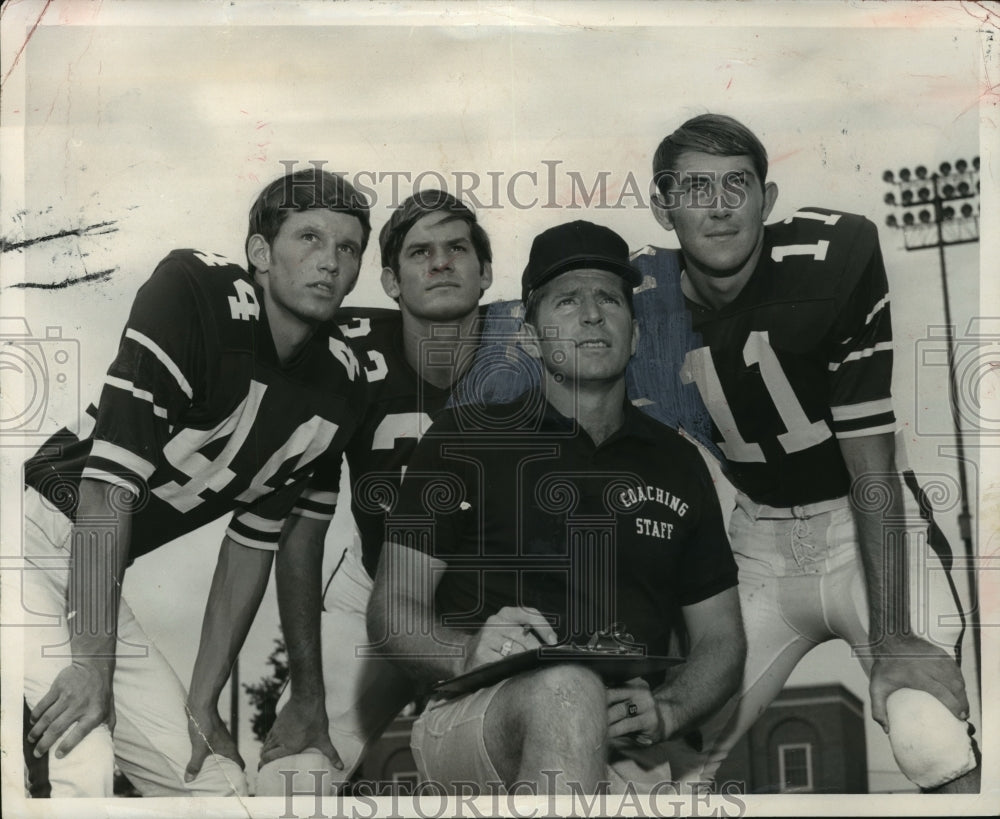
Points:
point(612, 666)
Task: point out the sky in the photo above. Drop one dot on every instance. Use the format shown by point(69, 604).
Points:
point(130, 137)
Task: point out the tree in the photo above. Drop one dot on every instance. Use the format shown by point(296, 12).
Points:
point(264, 695)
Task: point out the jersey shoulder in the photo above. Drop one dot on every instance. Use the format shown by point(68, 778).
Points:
point(660, 433)
point(197, 293)
point(820, 253)
point(499, 318)
point(657, 265)
point(206, 272)
point(221, 288)
point(370, 328)
point(375, 335)
point(815, 224)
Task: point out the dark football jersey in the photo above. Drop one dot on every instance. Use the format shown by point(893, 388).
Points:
point(401, 405)
point(198, 418)
point(802, 357)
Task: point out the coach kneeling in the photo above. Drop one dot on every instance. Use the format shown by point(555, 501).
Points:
point(544, 520)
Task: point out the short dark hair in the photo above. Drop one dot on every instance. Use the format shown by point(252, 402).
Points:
point(393, 233)
point(535, 296)
point(302, 190)
point(714, 134)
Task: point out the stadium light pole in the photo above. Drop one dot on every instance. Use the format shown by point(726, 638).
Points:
point(925, 211)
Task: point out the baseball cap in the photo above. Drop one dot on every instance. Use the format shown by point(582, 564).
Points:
point(573, 246)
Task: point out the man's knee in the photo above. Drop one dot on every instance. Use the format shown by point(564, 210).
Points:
point(932, 747)
point(87, 770)
point(309, 772)
point(556, 713)
point(563, 702)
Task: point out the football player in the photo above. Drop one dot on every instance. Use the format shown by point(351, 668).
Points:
point(794, 368)
point(436, 264)
point(230, 393)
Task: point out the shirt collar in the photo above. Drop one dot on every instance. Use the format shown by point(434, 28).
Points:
point(636, 424)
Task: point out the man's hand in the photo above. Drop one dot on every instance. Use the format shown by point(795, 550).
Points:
point(510, 631)
point(633, 712)
point(80, 694)
point(300, 724)
point(911, 662)
point(209, 735)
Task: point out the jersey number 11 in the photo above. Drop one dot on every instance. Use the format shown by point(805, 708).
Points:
point(800, 434)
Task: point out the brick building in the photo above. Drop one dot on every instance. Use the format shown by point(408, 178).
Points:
point(810, 740)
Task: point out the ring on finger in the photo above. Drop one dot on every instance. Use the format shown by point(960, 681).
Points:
point(631, 708)
point(506, 648)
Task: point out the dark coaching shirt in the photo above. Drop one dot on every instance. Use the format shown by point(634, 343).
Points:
point(526, 511)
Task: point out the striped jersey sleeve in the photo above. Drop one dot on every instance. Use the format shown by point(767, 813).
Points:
point(861, 358)
point(150, 383)
point(319, 499)
point(259, 525)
